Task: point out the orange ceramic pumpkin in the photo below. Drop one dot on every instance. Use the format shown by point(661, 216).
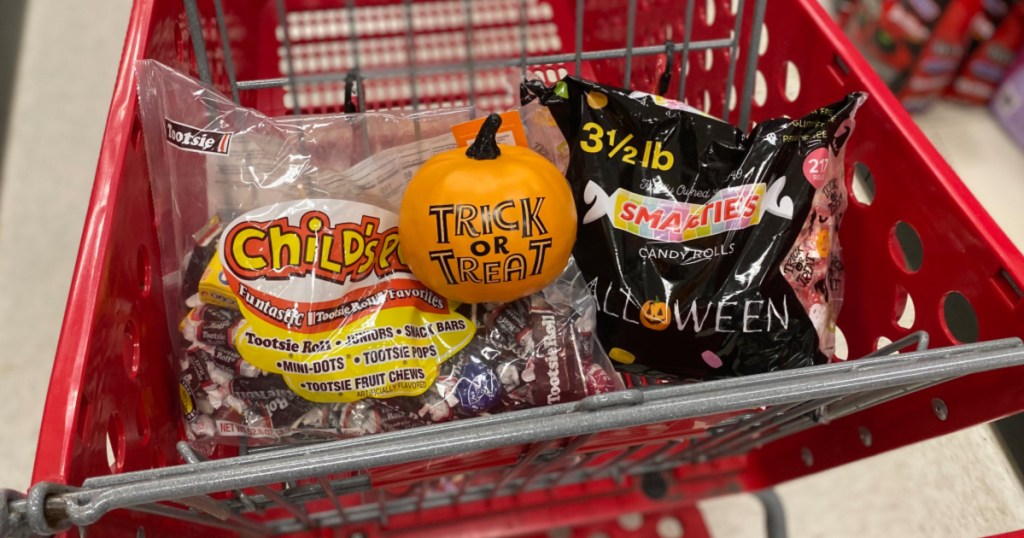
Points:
point(487, 224)
point(655, 315)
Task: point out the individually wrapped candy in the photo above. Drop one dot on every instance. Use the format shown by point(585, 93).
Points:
point(223, 359)
point(297, 317)
point(211, 326)
point(540, 359)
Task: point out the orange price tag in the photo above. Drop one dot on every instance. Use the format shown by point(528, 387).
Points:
point(511, 132)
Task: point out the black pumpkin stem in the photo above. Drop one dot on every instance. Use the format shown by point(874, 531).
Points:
point(485, 147)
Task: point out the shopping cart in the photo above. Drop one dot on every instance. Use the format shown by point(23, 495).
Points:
point(631, 463)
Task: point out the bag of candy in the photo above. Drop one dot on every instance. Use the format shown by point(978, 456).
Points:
point(710, 253)
point(293, 313)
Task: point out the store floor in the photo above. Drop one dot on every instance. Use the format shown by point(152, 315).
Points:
point(959, 485)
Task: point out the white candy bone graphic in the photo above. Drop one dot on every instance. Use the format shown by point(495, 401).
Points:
point(772, 203)
point(601, 202)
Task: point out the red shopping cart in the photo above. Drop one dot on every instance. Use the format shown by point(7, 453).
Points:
point(108, 463)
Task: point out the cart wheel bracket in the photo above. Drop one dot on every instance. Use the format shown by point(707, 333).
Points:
point(9, 519)
point(36, 509)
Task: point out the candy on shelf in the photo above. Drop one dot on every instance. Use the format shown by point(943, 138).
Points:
point(916, 46)
point(1008, 102)
point(987, 65)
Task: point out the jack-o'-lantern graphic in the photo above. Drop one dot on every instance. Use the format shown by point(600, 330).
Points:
point(655, 315)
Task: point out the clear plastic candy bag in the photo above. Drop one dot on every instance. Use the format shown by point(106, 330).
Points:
point(292, 312)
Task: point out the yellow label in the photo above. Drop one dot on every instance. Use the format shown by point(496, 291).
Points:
point(730, 209)
point(187, 405)
point(213, 286)
point(329, 304)
point(393, 352)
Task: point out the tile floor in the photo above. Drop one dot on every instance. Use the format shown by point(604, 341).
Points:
point(65, 76)
point(960, 485)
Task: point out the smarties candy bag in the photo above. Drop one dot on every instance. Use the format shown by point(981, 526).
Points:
point(710, 253)
point(293, 314)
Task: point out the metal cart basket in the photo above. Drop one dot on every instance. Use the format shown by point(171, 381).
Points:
point(108, 463)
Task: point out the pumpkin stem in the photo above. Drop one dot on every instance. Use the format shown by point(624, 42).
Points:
point(485, 147)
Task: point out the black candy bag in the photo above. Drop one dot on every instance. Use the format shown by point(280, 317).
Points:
point(710, 253)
